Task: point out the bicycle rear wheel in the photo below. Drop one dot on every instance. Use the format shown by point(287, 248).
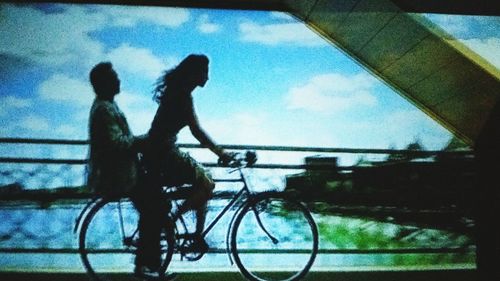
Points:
point(274, 238)
point(106, 251)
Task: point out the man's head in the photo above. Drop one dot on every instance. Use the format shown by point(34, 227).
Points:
point(104, 80)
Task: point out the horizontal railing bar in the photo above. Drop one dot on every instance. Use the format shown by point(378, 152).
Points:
point(256, 147)
point(42, 141)
point(46, 195)
point(37, 251)
point(227, 180)
point(398, 251)
point(17, 160)
point(352, 251)
point(289, 166)
point(446, 250)
point(29, 196)
point(331, 150)
point(349, 150)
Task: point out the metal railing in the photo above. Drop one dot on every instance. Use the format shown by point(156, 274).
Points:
point(410, 153)
point(67, 194)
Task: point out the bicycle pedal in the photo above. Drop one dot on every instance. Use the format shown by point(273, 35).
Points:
point(192, 256)
point(130, 242)
point(199, 246)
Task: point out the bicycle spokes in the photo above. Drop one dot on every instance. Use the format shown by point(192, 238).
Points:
point(108, 240)
point(289, 238)
point(259, 221)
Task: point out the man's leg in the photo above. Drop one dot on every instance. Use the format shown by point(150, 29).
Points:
point(148, 201)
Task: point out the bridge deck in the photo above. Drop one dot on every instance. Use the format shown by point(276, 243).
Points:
point(362, 274)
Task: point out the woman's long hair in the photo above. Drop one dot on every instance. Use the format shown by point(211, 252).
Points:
point(177, 76)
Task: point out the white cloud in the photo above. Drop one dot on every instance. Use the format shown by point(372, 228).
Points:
point(10, 103)
point(206, 26)
point(452, 24)
point(282, 16)
point(240, 128)
point(134, 100)
point(263, 128)
point(131, 16)
point(397, 127)
point(479, 33)
point(333, 92)
point(61, 88)
point(137, 61)
point(411, 125)
point(34, 123)
point(15, 102)
point(70, 132)
point(55, 39)
point(51, 39)
point(251, 129)
point(282, 33)
point(139, 109)
point(488, 48)
point(467, 27)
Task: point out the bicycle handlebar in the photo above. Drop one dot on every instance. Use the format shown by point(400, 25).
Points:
point(240, 160)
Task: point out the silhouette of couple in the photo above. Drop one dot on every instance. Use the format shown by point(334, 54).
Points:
point(114, 168)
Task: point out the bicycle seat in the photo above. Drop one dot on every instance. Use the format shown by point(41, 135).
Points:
point(179, 192)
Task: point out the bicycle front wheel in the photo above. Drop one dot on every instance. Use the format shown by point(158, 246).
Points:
point(108, 240)
point(274, 237)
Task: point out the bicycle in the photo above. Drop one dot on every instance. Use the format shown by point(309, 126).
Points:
point(263, 224)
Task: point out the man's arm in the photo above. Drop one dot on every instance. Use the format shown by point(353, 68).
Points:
point(109, 132)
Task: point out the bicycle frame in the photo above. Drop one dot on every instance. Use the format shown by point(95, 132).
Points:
point(244, 203)
point(243, 193)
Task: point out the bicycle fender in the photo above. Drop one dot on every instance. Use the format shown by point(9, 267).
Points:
point(84, 211)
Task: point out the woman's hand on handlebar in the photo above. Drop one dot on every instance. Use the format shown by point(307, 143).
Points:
point(227, 158)
point(233, 159)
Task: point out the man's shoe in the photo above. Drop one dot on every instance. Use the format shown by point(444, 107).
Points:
point(201, 245)
point(148, 273)
point(169, 276)
point(194, 243)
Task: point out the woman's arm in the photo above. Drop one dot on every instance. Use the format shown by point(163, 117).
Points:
point(204, 139)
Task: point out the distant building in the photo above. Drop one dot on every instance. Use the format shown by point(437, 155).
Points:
point(417, 182)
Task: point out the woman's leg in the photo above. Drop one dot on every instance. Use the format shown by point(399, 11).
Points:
point(182, 168)
point(203, 189)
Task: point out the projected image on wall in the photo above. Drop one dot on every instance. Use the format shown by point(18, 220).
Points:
point(360, 173)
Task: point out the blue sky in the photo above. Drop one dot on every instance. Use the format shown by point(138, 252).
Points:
point(272, 80)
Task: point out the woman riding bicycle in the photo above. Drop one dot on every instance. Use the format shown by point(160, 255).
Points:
point(165, 163)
